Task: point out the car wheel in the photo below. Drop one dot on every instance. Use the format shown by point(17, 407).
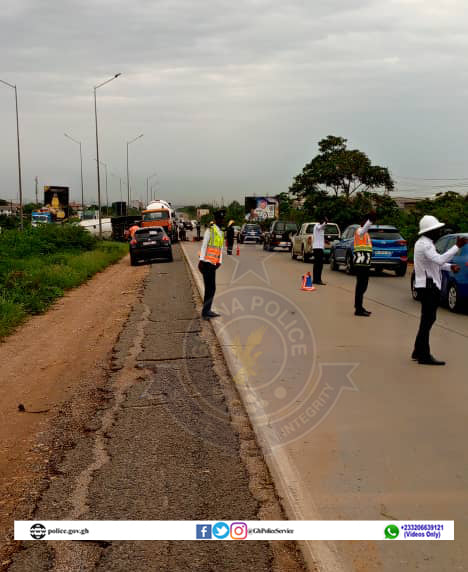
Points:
point(333, 263)
point(401, 270)
point(414, 292)
point(170, 258)
point(378, 271)
point(349, 264)
point(453, 299)
point(133, 260)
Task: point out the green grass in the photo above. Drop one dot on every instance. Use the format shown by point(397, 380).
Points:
point(39, 265)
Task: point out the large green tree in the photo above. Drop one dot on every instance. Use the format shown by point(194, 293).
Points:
point(340, 170)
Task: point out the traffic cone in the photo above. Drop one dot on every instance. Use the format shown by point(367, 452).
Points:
point(237, 251)
point(307, 283)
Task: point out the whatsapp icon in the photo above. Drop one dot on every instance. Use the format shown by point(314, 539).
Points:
point(392, 531)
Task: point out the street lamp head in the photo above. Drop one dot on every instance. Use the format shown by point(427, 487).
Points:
point(117, 74)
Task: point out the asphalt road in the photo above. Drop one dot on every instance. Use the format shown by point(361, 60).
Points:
point(377, 437)
point(168, 440)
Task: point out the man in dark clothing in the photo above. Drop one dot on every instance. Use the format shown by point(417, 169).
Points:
point(230, 236)
point(210, 259)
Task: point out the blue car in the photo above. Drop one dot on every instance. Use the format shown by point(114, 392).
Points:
point(454, 291)
point(389, 249)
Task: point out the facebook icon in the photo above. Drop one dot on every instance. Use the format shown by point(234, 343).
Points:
point(203, 531)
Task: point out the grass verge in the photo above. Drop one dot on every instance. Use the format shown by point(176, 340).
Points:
point(30, 284)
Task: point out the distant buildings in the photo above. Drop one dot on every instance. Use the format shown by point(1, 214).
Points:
point(9, 209)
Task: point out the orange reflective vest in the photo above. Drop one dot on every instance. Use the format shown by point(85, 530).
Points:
point(215, 246)
point(362, 249)
point(133, 229)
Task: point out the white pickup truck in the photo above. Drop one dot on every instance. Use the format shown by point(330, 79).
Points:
point(303, 241)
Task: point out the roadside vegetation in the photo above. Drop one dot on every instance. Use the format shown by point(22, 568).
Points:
point(343, 185)
point(39, 264)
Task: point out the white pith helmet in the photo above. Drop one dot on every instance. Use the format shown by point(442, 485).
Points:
point(428, 223)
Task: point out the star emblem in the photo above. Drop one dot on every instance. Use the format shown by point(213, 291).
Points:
point(255, 265)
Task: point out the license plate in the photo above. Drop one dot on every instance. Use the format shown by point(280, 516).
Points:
point(284, 243)
point(383, 253)
point(149, 242)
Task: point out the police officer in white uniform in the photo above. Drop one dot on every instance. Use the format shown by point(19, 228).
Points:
point(428, 264)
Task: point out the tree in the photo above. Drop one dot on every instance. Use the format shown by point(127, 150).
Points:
point(341, 170)
point(236, 212)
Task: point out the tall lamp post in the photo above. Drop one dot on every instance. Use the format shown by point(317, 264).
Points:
point(107, 195)
point(96, 87)
point(128, 176)
point(148, 179)
point(81, 171)
point(20, 185)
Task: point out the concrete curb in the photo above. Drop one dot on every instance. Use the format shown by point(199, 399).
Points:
point(318, 555)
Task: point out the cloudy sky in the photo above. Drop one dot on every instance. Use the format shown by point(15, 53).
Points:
point(232, 97)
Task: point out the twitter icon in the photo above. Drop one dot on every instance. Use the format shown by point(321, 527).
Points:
point(220, 530)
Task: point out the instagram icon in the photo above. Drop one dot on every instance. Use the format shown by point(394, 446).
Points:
point(238, 530)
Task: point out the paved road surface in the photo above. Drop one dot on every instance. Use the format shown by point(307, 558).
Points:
point(392, 446)
point(170, 441)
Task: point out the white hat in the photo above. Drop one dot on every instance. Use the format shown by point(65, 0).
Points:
point(428, 223)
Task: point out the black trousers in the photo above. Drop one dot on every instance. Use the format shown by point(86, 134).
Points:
point(209, 280)
point(318, 264)
point(362, 280)
point(230, 245)
point(430, 298)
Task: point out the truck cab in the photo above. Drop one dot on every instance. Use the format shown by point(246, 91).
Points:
point(41, 217)
point(160, 213)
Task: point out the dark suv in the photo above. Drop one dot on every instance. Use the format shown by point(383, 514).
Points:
point(150, 242)
point(250, 232)
point(279, 235)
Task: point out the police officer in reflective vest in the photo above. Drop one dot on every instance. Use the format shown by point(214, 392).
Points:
point(211, 257)
point(361, 263)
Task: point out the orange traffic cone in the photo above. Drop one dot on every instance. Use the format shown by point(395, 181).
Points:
point(307, 283)
point(237, 251)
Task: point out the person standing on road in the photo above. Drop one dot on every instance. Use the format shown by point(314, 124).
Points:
point(132, 230)
point(428, 264)
point(198, 230)
point(211, 258)
point(318, 246)
point(230, 236)
point(361, 263)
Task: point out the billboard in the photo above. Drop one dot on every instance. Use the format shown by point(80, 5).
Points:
point(261, 208)
point(57, 200)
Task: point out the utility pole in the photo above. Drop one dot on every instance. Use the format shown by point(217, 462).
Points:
point(37, 200)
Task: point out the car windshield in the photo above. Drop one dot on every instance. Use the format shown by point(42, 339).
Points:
point(252, 227)
point(384, 234)
point(331, 229)
point(156, 215)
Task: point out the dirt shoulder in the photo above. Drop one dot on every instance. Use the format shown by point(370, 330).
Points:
point(54, 366)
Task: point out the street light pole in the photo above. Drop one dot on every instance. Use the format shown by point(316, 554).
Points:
point(20, 184)
point(97, 149)
point(128, 176)
point(148, 179)
point(81, 170)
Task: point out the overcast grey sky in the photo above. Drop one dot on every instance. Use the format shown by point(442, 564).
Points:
point(232, 97)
